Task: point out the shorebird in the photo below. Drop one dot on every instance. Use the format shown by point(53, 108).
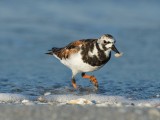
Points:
point(86, 55)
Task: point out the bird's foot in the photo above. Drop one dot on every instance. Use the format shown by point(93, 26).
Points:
point(74, 84)
point(94, 81)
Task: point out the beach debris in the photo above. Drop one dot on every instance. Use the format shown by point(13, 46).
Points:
point(80, 101)
point(27, 102)
point(47, 93)
point(118, 55)
point(41, 99)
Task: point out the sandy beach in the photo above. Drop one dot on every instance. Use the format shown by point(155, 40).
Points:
point(76, 112)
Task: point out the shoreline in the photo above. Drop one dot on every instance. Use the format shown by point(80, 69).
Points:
point(91, 99)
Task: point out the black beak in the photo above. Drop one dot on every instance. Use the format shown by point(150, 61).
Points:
point(115, 49)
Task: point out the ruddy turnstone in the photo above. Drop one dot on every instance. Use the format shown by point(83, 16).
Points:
point(86, 55)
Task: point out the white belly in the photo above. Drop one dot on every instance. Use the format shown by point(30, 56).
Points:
point(75, 63)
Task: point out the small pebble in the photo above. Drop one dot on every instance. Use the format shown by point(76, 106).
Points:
point(80, 101)
point(118, 55)
point(47, 93)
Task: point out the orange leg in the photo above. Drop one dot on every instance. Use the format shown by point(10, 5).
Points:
point(91, 78)
point(74, 83)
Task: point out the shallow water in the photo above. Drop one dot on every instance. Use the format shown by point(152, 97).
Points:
point(29, 28)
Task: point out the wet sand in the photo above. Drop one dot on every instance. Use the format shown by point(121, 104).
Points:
point(76, 112)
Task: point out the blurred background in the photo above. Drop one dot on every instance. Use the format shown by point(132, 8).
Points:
point(28, 28)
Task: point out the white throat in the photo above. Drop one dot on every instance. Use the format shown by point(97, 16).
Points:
point(107, 52)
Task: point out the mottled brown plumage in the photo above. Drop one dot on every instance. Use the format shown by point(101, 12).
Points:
point(70, 49)
point(86, 55)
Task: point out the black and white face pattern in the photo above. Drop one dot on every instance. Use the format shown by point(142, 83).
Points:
point(106, 42)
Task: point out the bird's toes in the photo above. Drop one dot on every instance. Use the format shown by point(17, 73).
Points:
point(96, 85)
point(94, 81)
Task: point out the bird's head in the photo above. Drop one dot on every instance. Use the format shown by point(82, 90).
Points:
point(107, 43)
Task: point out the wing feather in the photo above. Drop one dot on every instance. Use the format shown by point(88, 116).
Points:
point(71, 48)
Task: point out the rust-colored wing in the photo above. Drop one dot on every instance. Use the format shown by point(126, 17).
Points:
point(65, 52)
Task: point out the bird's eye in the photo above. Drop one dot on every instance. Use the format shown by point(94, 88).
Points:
point(104, 41)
